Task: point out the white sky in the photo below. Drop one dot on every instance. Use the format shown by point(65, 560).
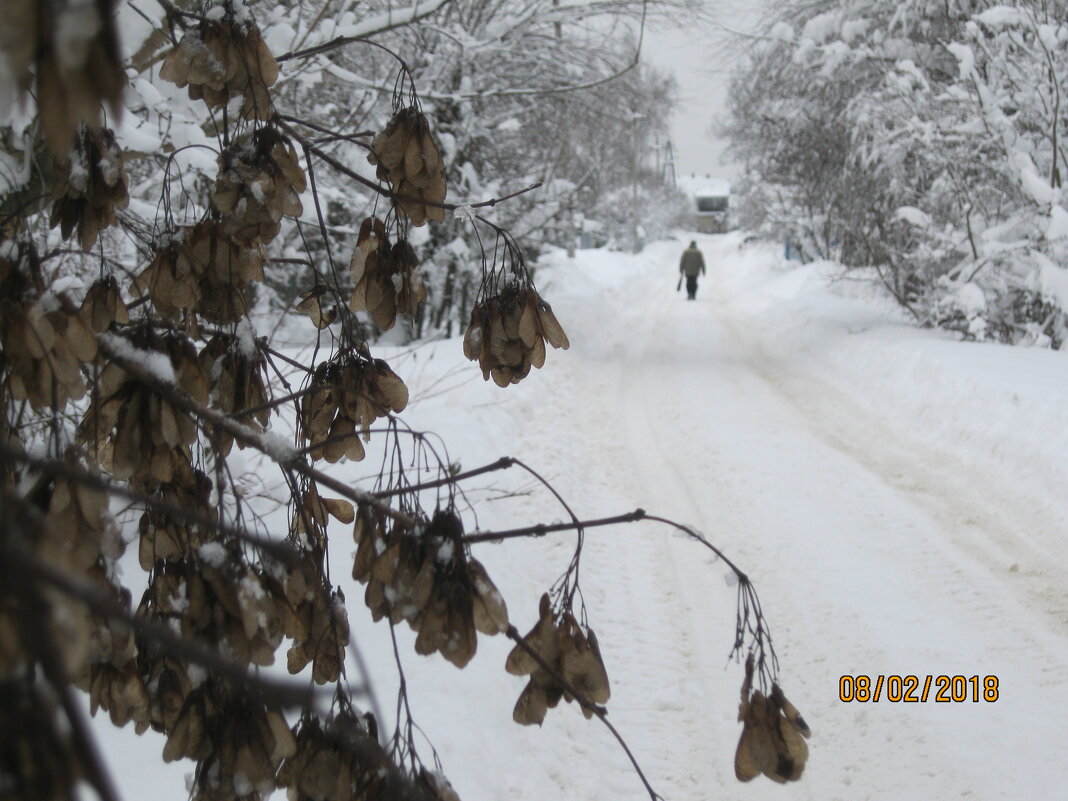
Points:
point(702, 64)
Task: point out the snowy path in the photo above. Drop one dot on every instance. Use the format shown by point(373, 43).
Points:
point(870, 556)
point(896, 515)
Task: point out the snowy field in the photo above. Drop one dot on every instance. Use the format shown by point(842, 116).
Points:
point(897, 498)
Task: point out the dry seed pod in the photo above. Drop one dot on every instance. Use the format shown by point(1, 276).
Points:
point(121, 693)
point(201, 269)
point(45, 351)
point(571, 651)
point(429, 580)
point(319, 509)
point(756, 752)
point(259, 183)
point(167, 684)
point(408, 158)
point(508, 332)
point(90, 184)
point(187, 738)
point(386, 390)
point(541, 639)
point(354, 393)
point(103, 305)
point(489, 610)
point(168, 537)
point(137, 433)
point(581, 665)
point(341, 762)
point(772, 740)
point(328, 634)
point(369, 534)
point(221, 60)
point(242, 607)
point(312, 304)
point(533, 705)
point(75, 523)
point(789, 710)
point(371, 238)
point(240, 742)
point(236, 368)
point(388, 281)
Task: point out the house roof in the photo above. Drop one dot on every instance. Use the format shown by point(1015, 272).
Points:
point(704, 185)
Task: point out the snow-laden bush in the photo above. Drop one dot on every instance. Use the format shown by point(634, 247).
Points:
point(924, 141)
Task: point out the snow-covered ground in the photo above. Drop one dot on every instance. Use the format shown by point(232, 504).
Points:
point(896, 497)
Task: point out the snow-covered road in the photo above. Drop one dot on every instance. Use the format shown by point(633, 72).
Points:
point(896, 497)
point(875, 552)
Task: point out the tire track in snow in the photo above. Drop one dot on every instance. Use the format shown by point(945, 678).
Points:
point(983, 518)
point(643, 622)
point(785, 478)
point(684, 417)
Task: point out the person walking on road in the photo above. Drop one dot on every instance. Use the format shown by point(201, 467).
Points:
point(691, 265)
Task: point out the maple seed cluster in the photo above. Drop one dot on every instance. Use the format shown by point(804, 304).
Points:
point(407, 157)
point(164, 536)
point(386, 277)
point(259, 182)
point(137, 433)
point(341, 760)
point(45, 351)
point(346, 396)
point(321, 623)
point(773, 734)
point(201, 269)
point(103, 305)
point(114, 683)
point(90, 184)
point(244, 743)
point(78, 536)
point(571, 650)
point(222, 60)
point(508, 332)
point(237, 383)
point(428, 580)
point(321, 638)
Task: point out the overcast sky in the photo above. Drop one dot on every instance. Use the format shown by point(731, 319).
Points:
point(702, 65)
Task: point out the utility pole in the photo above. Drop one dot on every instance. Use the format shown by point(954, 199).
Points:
point(669, 176)
point(636, 150)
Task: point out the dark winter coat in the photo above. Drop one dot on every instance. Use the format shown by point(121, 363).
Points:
point(692, 263)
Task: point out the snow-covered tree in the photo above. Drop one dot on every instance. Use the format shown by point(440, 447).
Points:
point(934, 153)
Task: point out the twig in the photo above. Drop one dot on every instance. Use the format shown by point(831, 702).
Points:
point(348, 172)
point(541, 529)
point(501, 464)
point(341, 41)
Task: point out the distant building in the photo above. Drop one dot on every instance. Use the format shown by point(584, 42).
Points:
point(711, 202)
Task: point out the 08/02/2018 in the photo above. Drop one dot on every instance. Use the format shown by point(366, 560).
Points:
point(918, 689)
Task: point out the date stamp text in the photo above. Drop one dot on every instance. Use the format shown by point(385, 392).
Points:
point(912, 689)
